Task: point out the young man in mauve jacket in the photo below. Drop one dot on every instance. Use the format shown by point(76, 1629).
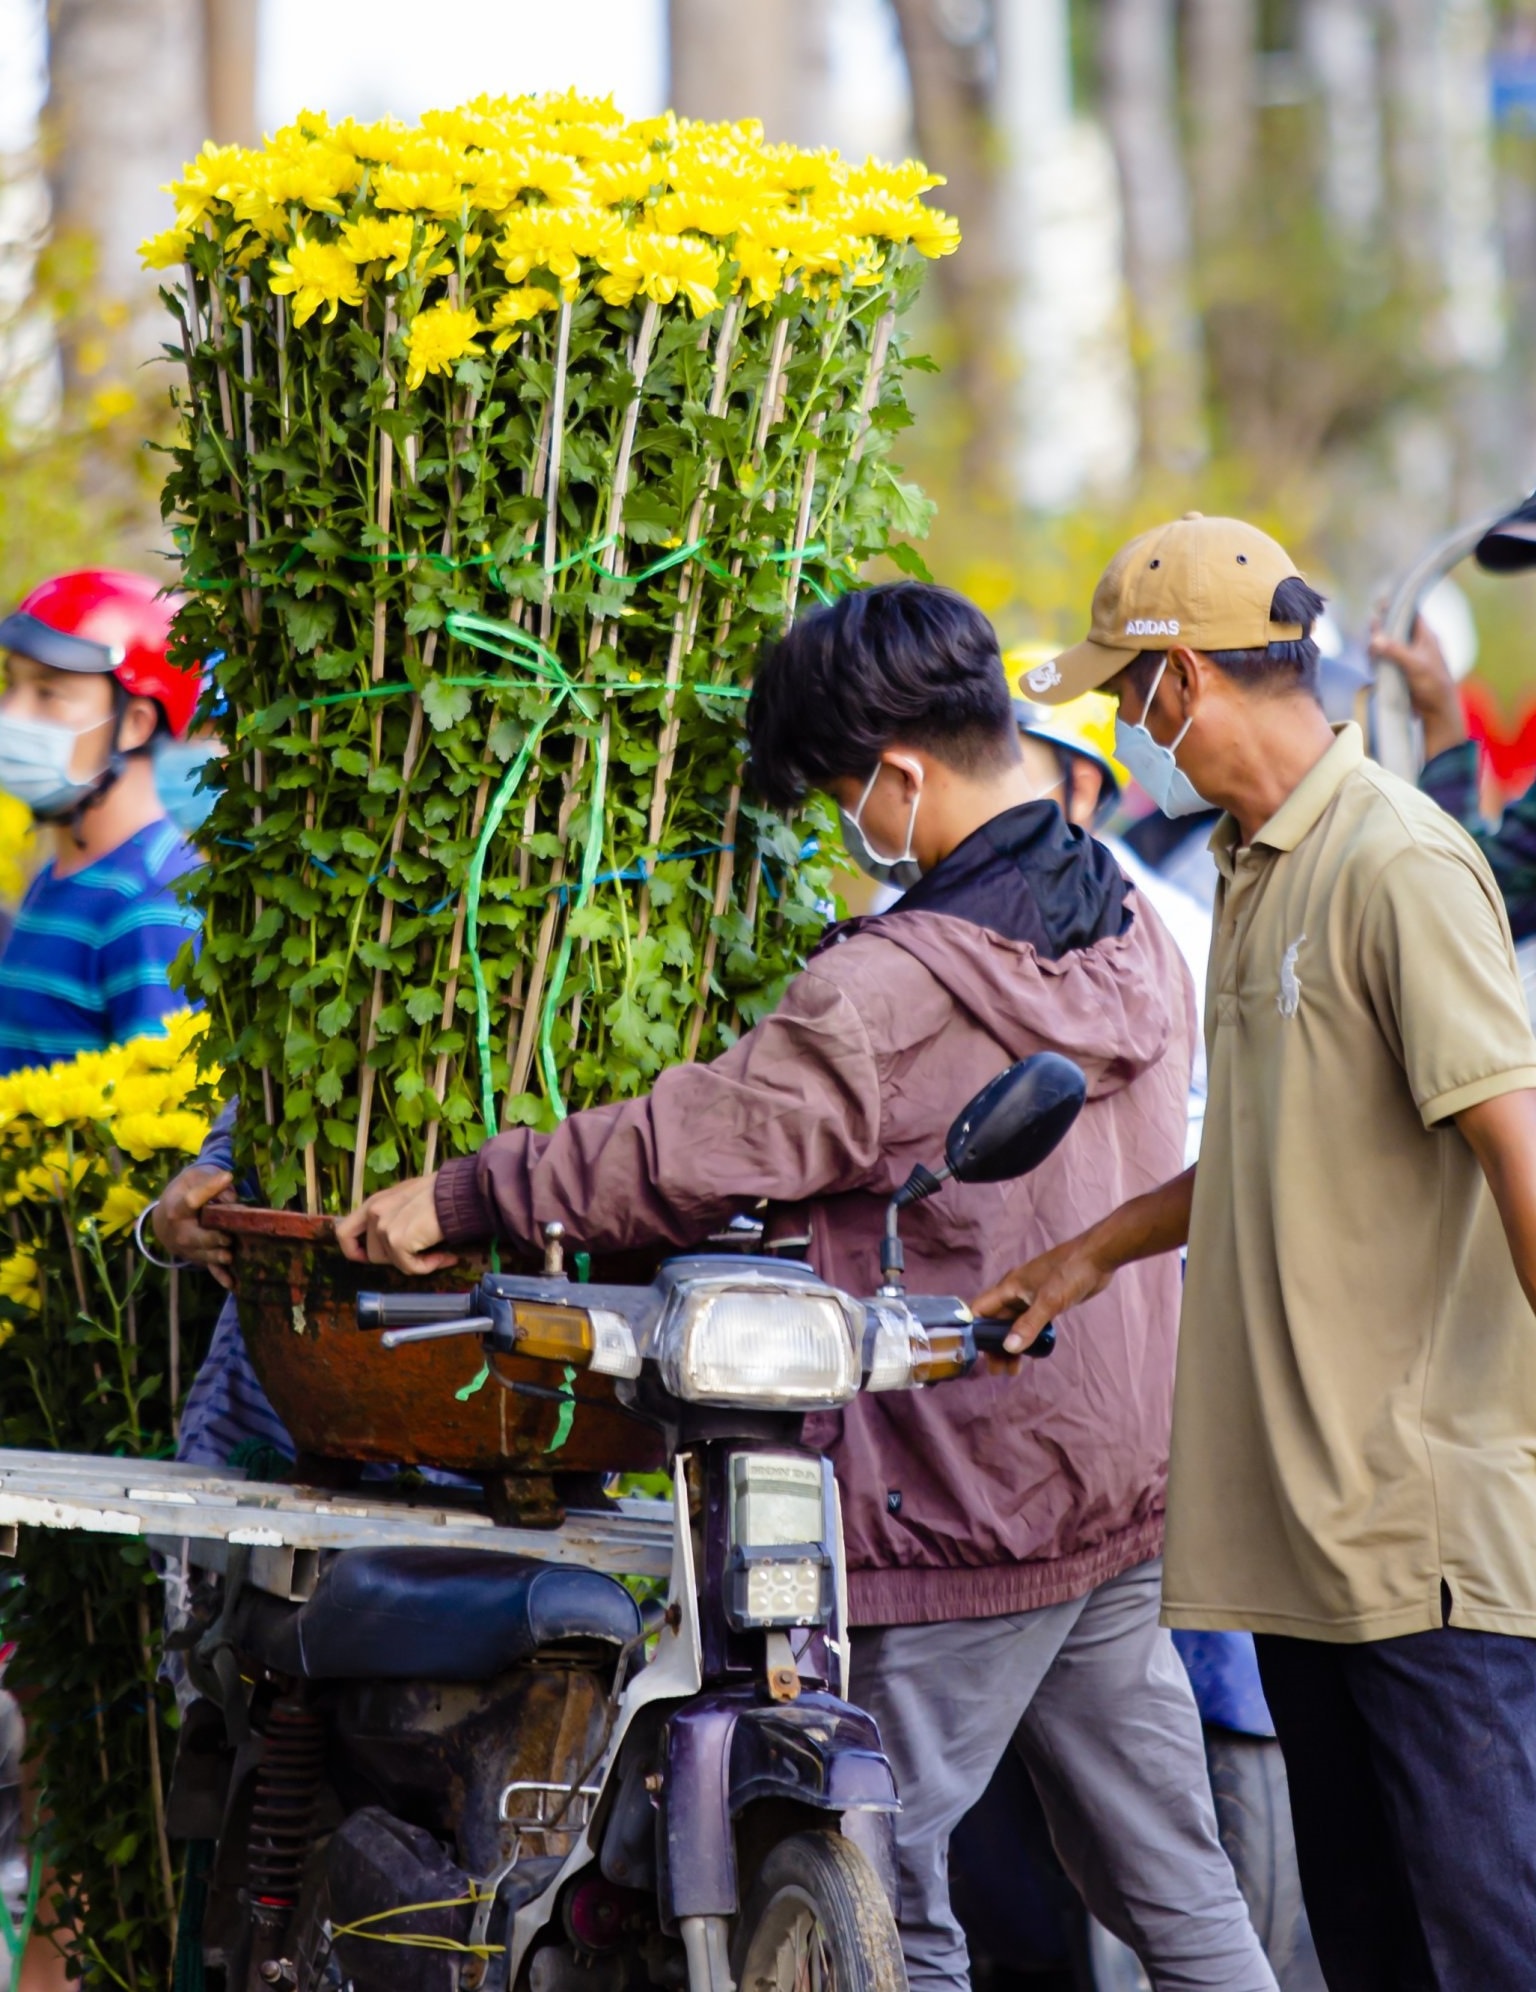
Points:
point(1003, 1535)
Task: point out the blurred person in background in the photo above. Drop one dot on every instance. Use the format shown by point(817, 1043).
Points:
point(1451, 770)
point(89, 690)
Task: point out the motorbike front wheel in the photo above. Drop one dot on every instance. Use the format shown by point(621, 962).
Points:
point(817, 1920)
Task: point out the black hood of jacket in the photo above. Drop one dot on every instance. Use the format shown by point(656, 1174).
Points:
point(1027, 875)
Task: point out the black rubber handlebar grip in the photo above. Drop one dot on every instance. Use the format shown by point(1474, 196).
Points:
point(991, 1335)
point(412, 1310)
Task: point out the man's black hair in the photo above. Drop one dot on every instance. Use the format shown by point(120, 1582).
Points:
point(1290, 666)
point(905, 661)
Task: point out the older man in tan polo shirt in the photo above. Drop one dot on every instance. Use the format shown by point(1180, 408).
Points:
point(1354, 1436)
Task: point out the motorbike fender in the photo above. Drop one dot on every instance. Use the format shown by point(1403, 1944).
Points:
point(724, 1752)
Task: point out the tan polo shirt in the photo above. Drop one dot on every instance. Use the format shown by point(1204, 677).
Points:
point(1355, 1405)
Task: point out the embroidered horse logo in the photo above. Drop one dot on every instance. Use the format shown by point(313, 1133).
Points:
point(1288, 1002)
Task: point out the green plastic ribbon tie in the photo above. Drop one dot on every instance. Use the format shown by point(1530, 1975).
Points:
point(476, 1382)
point(567, 1415)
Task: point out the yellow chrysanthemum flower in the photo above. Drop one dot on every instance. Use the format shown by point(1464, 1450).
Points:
point(316, 274)
point(760, 268)
point(902, 183)
point(663, 267)
point(120, 1208)
point(514, 308)
point(381, 141)
point(209, 178)
point(165, 250)
point(435, 191)
point(19, 1282)
point(439, 336)
point(143, 1135)
point(627, 179)
point(378, 238)
point(311, 176)
point(557, 240)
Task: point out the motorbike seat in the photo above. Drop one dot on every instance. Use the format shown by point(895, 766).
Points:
point(425, 1614)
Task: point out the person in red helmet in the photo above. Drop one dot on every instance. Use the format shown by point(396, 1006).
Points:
point(87, 691)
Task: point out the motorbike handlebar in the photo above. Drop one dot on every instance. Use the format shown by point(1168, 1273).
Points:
point(412, 1310)
point(990, 1336)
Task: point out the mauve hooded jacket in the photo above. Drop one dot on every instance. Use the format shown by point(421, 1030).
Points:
point(996, 1493)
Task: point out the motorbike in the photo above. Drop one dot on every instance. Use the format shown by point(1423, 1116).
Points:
point(459, 1771)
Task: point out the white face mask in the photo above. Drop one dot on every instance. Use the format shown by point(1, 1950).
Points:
point(1153, 765)
point(903, 871)
point(35, 757)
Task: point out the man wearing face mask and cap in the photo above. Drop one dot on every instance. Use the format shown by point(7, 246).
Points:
point(1003, 1536)
point(89, 696)
point(1354, 1436)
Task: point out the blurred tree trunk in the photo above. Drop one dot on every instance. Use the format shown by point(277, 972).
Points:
point(1059, 230)
point(1221, 48)
point(1338, 43)
point(1444, 199)
point(947, 64)
point(770, 59)
point(125, 110)
point(229, 70)
point(1136, 51)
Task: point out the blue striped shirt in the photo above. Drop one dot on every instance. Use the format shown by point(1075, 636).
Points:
point(88, 961)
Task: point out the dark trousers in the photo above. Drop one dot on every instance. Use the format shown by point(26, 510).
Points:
point(1412, 1768)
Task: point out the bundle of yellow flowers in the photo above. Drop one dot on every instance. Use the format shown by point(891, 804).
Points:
point(85, 1145)
point(96, 1346)
point(510, 439)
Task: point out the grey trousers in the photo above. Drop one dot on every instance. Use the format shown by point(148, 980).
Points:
point(1096, 1701)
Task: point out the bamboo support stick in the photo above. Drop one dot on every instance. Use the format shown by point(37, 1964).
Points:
point(173, 1368)
point(556, 445)
point(802, 524)
point(869, 394)
point(381, 515)
point(534, 483)
point(366, 1074)
point(248, 366)
point(156, 1777)
point(515, 998)
point(528, 1027)
point(451, 988)
point(768, 413)
point(685, 621)
point(618, 559)
point(723, 878)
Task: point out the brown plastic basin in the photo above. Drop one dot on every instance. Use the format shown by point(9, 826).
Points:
point(344, 1397)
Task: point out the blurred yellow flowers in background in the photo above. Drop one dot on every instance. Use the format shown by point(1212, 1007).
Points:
point(87, 1143)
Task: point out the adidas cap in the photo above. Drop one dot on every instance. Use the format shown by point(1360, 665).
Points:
point(1207, 583)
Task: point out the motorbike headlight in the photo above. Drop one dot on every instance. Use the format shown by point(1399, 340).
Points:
point(752, 1340)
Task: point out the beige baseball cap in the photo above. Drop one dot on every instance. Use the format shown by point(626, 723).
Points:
point(1207, 583)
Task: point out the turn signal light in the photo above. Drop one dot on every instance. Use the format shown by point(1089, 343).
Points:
point(593, 1339)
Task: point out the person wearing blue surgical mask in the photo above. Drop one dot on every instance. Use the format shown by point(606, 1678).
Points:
point(88, 691)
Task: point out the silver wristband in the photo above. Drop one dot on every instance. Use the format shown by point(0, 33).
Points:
point(165, 1265)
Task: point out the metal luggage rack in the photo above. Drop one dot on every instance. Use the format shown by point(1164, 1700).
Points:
point(195, 1514)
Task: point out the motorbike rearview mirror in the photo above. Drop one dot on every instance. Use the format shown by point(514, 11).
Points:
point(1011, 1126)
point(1016, 1120)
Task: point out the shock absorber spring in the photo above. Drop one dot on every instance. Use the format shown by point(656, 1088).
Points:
point(283, 1813)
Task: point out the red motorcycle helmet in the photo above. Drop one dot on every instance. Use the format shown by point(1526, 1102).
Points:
point(99, 619)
